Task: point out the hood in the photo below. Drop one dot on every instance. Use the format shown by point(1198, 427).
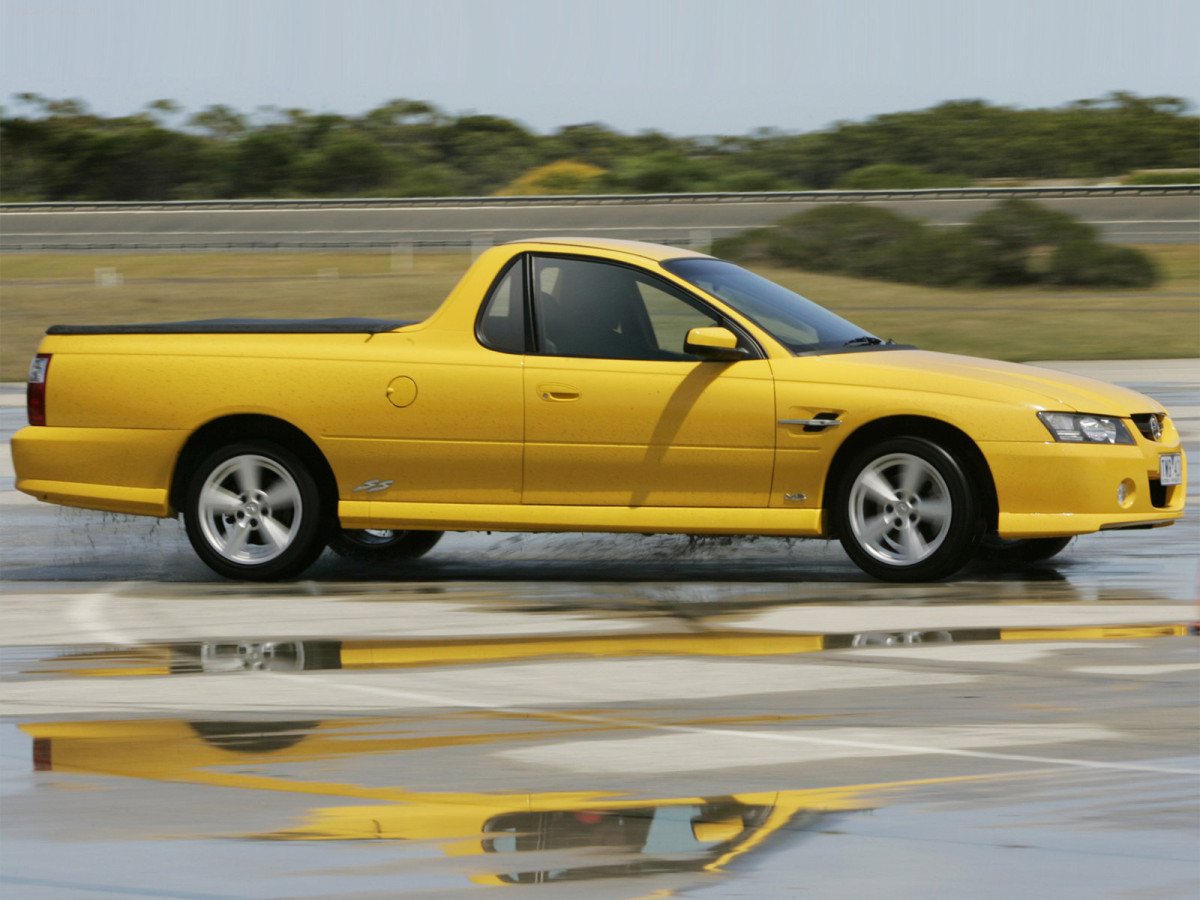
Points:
point(965, 376)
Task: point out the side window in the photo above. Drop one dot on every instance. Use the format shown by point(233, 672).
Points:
point(601, 310)
point(672, 316)
point(502, 322)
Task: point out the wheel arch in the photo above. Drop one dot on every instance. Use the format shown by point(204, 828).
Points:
point(931, 429)
point(230, 429)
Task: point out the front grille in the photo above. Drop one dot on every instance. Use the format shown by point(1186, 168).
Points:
point(1146, 422)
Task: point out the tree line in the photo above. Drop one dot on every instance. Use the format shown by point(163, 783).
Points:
point(59, 150)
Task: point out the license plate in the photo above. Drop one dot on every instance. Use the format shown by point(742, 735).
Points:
point(1170, 469)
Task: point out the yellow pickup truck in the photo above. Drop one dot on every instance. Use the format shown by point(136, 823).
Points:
point(582, 385)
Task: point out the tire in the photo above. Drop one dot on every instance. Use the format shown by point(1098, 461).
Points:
point(381, 547)
point(253, 511)
point(1024, 551)
point(905, 510)
point(241, 656)
point(253, 737)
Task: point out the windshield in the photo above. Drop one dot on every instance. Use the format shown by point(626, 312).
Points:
point(796, 322)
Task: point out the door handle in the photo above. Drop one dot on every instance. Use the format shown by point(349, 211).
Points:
point(557, 393)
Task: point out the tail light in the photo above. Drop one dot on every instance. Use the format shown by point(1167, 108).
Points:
point(35, 391)
point(43, 760)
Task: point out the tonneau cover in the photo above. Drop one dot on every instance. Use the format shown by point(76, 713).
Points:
point(242, 326)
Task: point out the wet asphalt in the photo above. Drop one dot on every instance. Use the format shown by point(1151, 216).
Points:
point(597, 716)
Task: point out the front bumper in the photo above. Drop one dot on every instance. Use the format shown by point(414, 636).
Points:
point(1057, 489)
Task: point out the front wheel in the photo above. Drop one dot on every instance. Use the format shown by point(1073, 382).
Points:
point(905, 511)
point(378, 546)
point(253, 511)
point(1021, 551)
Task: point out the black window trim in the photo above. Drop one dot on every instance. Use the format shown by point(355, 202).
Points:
point(533, 333)
point(518, 260)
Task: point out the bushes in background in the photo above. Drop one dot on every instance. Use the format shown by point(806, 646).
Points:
point(562, 177)
point(59, 150)
point(897, 177)
point(1175, 176)
point(1094, 263)
point(1015, 242)
point(1011, 240)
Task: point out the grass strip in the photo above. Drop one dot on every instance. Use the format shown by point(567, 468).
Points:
point(43, 289)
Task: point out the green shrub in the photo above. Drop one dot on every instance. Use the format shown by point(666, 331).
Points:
point(849, 237)
point(344, 165)
point(939, 257)
point(753, 246)
point(1015, 242)
point(1009, 233)
point(752, 180)
point(855, 239)
point(896, 176)
point(662, 172)
point(1092, 263)
point(1192, 177)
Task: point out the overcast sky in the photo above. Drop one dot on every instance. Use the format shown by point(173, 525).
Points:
point(694, 67)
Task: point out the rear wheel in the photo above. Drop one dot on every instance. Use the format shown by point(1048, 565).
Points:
point(906, 511)
point(380, 546)
point(253, 511)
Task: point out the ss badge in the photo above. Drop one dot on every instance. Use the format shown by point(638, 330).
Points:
point(374, 485)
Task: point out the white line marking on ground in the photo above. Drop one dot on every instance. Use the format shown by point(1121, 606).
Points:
point(1016, 653)
point(874, 747)
point(89, 612)
point(1130, 671)
point(726, 749)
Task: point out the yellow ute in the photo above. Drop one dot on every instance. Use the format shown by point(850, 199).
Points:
point(582, 385)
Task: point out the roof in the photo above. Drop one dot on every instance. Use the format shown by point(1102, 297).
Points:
point(656, 252)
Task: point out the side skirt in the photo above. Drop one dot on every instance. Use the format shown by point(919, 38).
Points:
point(645, 519)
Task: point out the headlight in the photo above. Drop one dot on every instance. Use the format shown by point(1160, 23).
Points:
point(1081, 428)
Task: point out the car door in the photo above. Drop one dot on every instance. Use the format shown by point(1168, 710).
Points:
point(617, 414)
point(442, 421)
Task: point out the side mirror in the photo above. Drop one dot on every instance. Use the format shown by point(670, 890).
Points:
point(714, 343)
point(721, 831)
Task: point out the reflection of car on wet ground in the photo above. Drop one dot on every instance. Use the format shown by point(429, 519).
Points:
point(523, 837)
point(579, 385)
point(653, 838)
point(215, 657)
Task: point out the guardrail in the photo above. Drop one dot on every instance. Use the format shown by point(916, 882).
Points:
point(973, 193)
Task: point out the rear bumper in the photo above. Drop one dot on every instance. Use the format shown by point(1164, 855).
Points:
point(124, 470)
